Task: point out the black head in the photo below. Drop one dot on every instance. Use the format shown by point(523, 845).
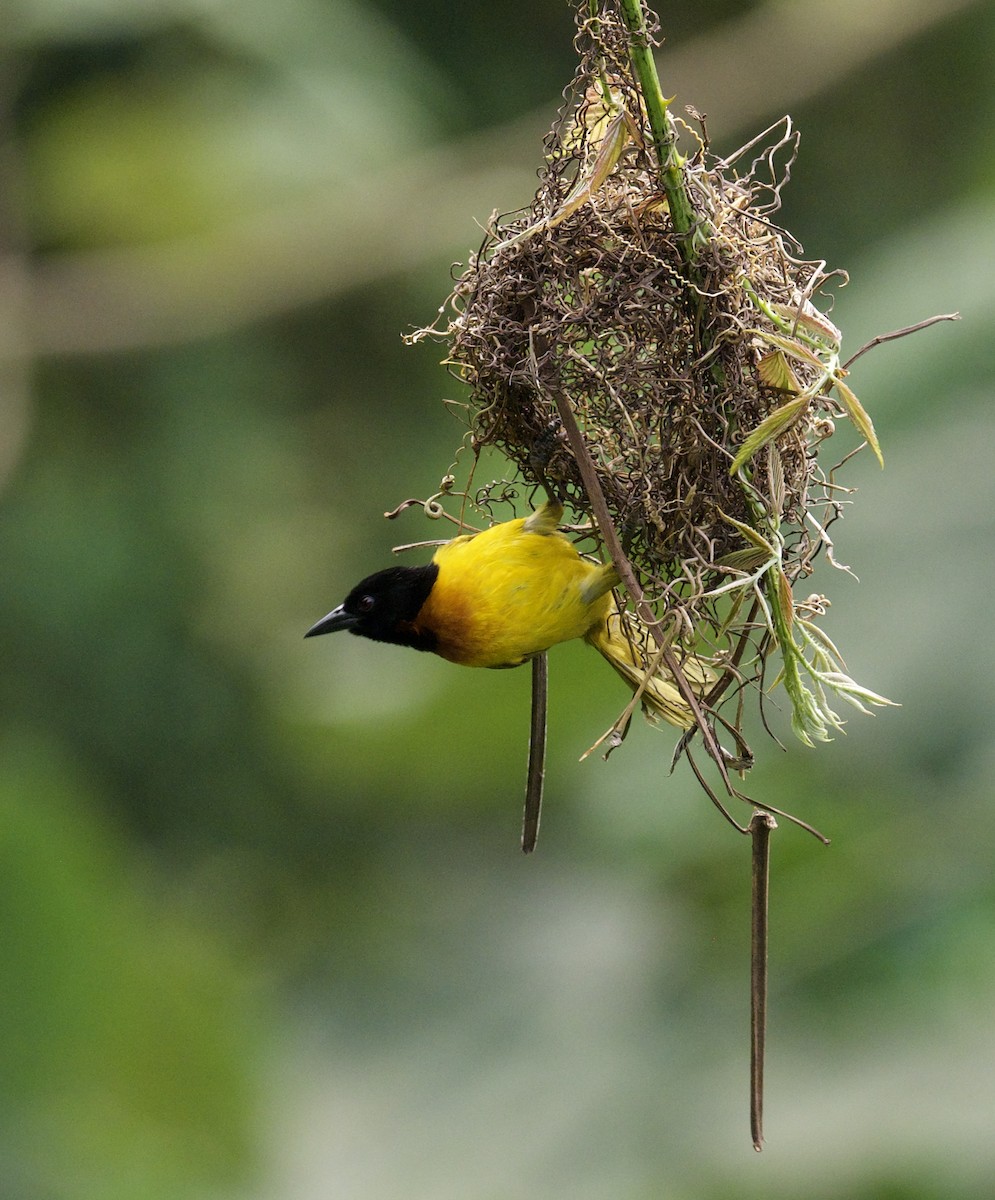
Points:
point(383, 606)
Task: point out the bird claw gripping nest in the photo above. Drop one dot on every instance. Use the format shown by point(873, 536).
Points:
point(703, 378)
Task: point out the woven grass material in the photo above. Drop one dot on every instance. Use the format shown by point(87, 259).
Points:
point(598, 308)
point(669, 368)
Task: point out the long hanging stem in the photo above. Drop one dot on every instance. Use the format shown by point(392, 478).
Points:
point(537, 753)
point(760, 827)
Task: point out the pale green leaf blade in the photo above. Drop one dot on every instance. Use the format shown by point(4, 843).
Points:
point(775, 371)
point(859, 416)
point(815, 323)
point(609, 152)
point(785, 598)
point(771, 427)
point(791, 348)
point(750, 534)
point(747, 561)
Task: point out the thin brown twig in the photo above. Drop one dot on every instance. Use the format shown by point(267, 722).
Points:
point(710, 793)
point(433, 509)
point(899, 333)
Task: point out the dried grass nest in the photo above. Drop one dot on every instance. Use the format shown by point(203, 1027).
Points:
point(705, 389)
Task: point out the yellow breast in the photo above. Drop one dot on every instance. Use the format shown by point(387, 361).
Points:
point(505, 595)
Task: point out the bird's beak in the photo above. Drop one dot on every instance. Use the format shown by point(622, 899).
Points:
point(338, 618)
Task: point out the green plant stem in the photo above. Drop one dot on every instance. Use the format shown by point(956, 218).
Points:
point(669, 158)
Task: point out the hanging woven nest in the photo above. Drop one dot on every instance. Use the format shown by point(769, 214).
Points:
point(700, 373)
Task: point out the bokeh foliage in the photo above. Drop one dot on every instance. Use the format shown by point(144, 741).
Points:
point(265, 928)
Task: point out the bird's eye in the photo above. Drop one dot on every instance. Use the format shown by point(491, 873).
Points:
point(366, 603)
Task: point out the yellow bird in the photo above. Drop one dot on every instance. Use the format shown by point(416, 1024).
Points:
point(501, 597)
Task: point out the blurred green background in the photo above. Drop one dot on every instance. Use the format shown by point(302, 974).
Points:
point(265, 930)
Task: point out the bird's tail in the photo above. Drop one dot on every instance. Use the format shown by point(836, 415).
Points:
point(544, 519)
point(626, 643)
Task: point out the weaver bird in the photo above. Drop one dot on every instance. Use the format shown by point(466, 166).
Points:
point(501, 597)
